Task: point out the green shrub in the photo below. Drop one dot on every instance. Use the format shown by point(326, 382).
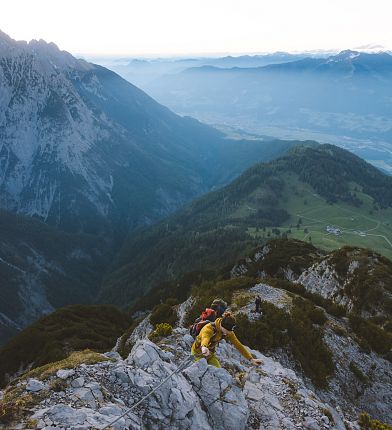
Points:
point(358, 373)
point(388, 326)
point(242, 301)
point(309, 349)
point(316, 315)
point(161, 330)
point(172, 301)
point(163, 313)
point(257, 334)
point(276, 328)
point(54, 336)
point(378, 339)
point(58, 385)
point(295, 254)
point(15, 405)
point(124, 347)
point(366, 423)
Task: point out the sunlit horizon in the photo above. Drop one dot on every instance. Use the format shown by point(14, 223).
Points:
point(175, 28)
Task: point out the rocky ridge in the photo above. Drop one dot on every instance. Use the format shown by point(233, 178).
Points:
point(237, 396)
point(278, 394)
point(357, 279)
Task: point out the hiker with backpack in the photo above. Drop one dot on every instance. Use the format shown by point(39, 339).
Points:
point(216, 310)
point(212, 333)
point(258, 304)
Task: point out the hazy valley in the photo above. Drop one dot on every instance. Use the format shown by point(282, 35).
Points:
point(341, 99)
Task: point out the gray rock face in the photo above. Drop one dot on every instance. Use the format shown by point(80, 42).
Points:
point(225, 402)
point(372, 394)
point(34, 385)
point(78, 382)
point(65, 373)
point(182, 310)
point(237, 396)
point(321, 278)
point(143, 329)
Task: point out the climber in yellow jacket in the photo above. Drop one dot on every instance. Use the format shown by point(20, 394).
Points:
point(210, 336)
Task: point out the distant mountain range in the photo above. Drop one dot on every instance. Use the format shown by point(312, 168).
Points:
point(297, 195)
point(343, 99)
point(142, 71)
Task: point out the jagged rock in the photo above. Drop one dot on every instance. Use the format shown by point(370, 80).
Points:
point(188, 339)
point(78, 382)
point(236, 396)
point(41, 424)
point(225, 403)
point(96, 390)
point(321, 278)
point(84, 394)
point(65, 373)
point(34, 385)
point(142, 331)
point(113, 355)
point(182, 310)
point(148, 354)
point(121, 375)
point(311, 424)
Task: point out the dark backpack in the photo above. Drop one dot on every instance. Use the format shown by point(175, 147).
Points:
point(206, 317)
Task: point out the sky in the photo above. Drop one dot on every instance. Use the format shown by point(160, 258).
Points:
point(196, 27)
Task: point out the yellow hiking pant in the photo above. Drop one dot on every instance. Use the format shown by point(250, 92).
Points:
point(212, 360)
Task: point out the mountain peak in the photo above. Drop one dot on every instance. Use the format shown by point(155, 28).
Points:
point(7, 43)
point(41, 43)
point(346, 55)
point(4, 37)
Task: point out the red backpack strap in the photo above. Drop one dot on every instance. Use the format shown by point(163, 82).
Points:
point(209, 314)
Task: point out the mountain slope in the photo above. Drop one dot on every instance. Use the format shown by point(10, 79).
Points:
point(42, 269)
point(82, 149)
point(54, 336)
point(228, 223)
point(317, 354)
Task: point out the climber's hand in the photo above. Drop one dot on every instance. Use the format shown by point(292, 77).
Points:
point(257, 361)
point(205, 351)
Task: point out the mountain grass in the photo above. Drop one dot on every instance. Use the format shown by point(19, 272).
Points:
point(75, 359)
point(303, 203)
point(269, 200)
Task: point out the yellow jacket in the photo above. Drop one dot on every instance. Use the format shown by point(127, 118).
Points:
point(210, 338)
